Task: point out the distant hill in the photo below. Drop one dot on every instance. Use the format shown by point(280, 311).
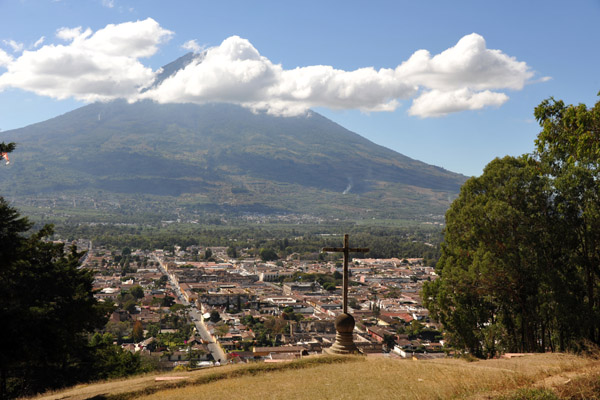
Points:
point(223, 158)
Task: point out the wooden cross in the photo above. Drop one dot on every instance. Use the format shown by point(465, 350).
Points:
point(346, 250)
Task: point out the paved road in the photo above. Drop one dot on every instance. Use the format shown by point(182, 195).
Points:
point(213, 346)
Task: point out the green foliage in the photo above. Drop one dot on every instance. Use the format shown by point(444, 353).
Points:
point(569, 150)
point(289, 314)
point(177, 307)
point(519, 265)
point(389, 341)
point(414, 329)
point(118, 329)
point(167, 301)
point(490, 264)
point(162, 281)
point(47, 308)
point(7, 147)
point(215, 316)
point(221, 329)
point(417, 241)
point(111, 361)
point(130, 306)
point(268, 333)
point(153, 330)
point(214, 150)
point(137, 291)
point(232, 252)
point(268, 254)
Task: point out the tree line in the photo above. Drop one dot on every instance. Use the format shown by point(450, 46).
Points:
point(279, 242)
point(520, 262)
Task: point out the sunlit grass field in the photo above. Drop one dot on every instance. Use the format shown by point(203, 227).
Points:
point(549, 375)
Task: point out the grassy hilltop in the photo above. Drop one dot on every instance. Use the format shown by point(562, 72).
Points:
point(540, 376)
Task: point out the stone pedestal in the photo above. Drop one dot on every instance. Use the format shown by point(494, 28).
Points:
point(344, 343)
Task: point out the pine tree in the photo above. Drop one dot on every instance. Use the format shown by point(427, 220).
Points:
point(47, 309)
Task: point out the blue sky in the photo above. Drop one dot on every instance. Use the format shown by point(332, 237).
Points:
point(453, 84)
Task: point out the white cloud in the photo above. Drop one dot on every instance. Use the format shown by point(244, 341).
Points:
point(108, 3)
point(15, 46)
point(192, 45)
point(235, 72)
point(5, 58)
point(435, 103)
point(232, 72)
point(464, 77)
point(129, 39)
point(39, 42)
point(364, 88)
point(104, 65)
point(95, 66)
point(540, 80)
point(468, 64)
point(69, 34)
point(461, 77)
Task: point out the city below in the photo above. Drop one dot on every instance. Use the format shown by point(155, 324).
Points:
point(200, 307)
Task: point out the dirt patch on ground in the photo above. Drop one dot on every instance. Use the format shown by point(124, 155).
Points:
point(99, 390)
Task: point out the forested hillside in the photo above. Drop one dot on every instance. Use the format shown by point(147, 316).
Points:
point(218, 158)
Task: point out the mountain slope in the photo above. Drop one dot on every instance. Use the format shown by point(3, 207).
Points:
point(225, 153)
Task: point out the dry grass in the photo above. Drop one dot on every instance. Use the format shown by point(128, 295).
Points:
point(357, 378)
point(580, 387)
point(107, 388)
point(134, 387)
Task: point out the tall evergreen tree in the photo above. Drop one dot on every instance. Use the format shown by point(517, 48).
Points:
point(47, 309)
point(495, 245)
point(520, 263)
point(569, 150)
